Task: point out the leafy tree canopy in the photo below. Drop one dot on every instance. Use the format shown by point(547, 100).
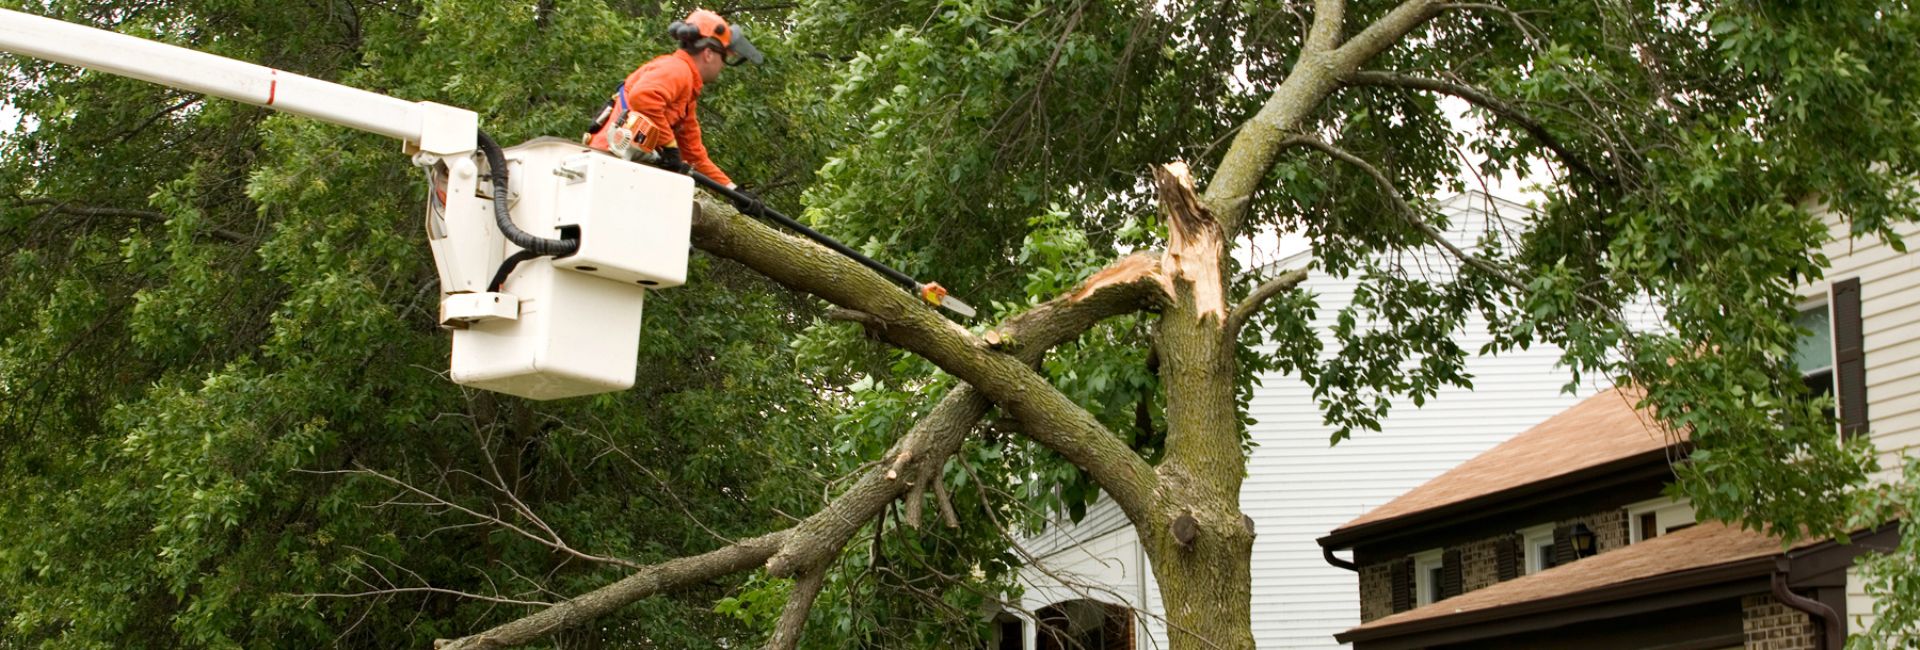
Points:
point(219, 367)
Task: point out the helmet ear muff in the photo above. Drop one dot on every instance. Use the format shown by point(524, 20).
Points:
point(683, 32)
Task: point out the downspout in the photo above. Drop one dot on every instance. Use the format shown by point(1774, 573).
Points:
point(1832, 630)
point(1337, 562)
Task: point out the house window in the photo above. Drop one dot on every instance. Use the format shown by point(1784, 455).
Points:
point(1813, 353)
point(1655, 517)
point(1427, 567)
point(1832, 355)
point(1084, 625)
point(1538, 542)
point(1009, 633)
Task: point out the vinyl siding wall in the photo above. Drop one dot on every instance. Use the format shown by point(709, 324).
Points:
point(1890, 321)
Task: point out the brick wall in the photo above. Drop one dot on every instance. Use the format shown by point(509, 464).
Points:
point(1479, 565)
point(1771, 625)
point(1479, 562)
point(1376, 591)
point(1609, 528)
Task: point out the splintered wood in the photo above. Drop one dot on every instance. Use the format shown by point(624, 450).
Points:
point(1194, 243)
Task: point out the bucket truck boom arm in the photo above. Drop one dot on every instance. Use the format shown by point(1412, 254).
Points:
point(426, 127)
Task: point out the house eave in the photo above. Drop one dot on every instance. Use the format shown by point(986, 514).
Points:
point(1638, 467)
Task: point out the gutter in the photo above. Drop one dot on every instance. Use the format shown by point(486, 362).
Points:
point(1337, 562)
point(1587, 480)
point(1631, 590)
point(1833, 631)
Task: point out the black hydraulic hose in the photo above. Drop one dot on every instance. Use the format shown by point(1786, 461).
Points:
point(506, 268)
point(539, 246)
point(829, 242)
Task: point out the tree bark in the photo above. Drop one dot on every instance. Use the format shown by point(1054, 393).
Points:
point(1201, 550)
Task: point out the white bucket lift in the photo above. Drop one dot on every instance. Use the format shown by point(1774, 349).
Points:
point(556, 327)
point(567, 326)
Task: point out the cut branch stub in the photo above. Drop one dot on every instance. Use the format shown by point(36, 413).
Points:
point(1184, 529)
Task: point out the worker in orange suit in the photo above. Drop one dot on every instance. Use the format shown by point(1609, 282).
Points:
point(654, 116)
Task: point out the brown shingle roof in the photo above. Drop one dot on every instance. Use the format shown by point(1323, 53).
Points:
point(1701, 547)
point(1598, 430)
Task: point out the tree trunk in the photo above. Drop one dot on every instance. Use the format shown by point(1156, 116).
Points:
point(1201, 544)
point(1206, 589)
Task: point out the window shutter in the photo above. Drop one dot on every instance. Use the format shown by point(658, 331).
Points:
point(1849, 357)
point(1563, 553)
point(1401, 577)
point(1450, 574)
point(1507, 556)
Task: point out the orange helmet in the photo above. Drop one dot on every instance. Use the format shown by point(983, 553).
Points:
point(703, 25)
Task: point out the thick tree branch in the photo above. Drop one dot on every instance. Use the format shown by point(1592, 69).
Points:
point(1051, 418)
point(1492, 104)
point(1267, 290)
point(659, 578)
point(1386, 31)
point(1123, 287)
point(793, 617)
point(1318, 72)
point(1328, 17)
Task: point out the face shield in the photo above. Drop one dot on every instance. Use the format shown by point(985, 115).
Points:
point(741, 51)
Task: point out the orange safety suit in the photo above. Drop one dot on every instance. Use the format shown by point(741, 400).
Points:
point(667, 91)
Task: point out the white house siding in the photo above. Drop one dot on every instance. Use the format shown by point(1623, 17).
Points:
point(1100, 558)
point(1859, 606)
point(1299, 487)
point(1890, 321)
point(1889, 312)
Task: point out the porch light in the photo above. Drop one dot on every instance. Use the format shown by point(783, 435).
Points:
point(1585, 543)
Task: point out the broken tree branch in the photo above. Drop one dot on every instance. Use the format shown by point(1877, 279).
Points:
point(654, 579)
point(1125, 287)
point(1052, 419)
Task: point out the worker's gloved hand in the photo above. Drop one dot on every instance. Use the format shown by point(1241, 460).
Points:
point(749, 203)
point(669, 159)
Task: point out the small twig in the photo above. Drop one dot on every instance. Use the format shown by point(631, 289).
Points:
point(56, 206)
point(556, 543)
point(1407, 212)
point(1492, 104)
point(940, 496)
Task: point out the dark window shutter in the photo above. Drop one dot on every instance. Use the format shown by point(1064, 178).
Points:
point(1507, 556)
point(1450, 574)
point(1849, 357)
point(1401, 577)
point(1563, 553)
